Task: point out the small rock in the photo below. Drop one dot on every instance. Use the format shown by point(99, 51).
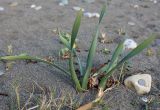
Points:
point(1, 8)
point(144, 99)
point(140, 82)
point(78, 8)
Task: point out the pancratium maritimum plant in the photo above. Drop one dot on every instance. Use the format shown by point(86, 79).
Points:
point(107, 69)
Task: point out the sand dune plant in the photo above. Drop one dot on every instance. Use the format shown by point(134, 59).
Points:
point(81, 84)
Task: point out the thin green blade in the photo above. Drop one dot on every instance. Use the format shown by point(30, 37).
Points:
point(102, 13)
point(92, 52)
point(76, 28)
point(114, 59)
point(27, 57)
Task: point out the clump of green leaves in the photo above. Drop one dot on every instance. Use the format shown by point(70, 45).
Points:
point(69, 41)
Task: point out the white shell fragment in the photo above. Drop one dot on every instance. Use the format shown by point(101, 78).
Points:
point(90, 15)
point(136, 6)
point(129, 44)
point(140, 82)
point(1, 8)
point(131, 23)
point(96, 15)
point(78, 8)
point(154, 1)
point(33, 6)
point(38, 8)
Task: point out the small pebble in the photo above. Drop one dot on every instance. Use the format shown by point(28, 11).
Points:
point(144, 99)
point(1, 8)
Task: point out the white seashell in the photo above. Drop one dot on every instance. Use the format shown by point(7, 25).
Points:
point(129, 44)
point(155, 1)
point(131, 23)
point(88, 14)
point(140, 82)
point(33, 6)
point(96, 15)
point(136, 6)
point(1, 8)
point(38, 8)
point(61, 4)
point(78, 8)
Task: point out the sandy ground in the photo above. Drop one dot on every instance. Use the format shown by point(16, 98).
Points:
point(30, 31)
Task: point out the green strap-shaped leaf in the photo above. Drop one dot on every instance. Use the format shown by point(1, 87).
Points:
point(92, 52)
point(90, 57)
point(76, 28)
point(102, 13)
point(114, 59)
point(134, 52)
point(73, 74)
point(27, 57)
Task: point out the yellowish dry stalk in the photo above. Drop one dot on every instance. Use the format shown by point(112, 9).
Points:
point(86, 106)
point(93, 103)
